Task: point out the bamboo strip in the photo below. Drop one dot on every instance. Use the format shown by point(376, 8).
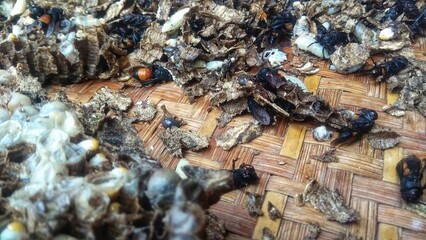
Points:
point(279, 201)
point(388, 232)
point(312, 83)
point(391, 158)
point(293, 140)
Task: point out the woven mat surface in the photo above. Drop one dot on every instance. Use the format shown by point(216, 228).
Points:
point(365, 177)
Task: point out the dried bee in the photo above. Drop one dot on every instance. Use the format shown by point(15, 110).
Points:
point(152, 75)
point(410, 172)
point(244, 175)
point(197, 24)
point(270, 78)
point(388, 69)
point(36, 11)
point(136, 20)
point(361, 124)
point(408, 7)
point(329, 39)
point(281, 25)
point(419, 24)
point(47, 19)
point(258, 111)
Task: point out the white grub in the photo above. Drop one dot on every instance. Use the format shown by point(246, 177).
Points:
point(275, 56)
point(175, 21)
point(179, 168)
point(6, 7)
point(297, 82)
point(4, 115)
point(301, 27)
point(214, 65)
point(18, 100)
point(308, 43)
point(172, 42)
point(321, 134)
point(388, 33)
point(17, 30)
point(14, 231)
point(18, 8)
point(88, 21)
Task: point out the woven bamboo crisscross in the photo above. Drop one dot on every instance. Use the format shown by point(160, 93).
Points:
point(365, 177)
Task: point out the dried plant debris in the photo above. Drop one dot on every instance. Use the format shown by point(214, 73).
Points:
point(410, 83)
point(176, 139)
point(346, 61)
point(383, 138)
point(273, 212)
point(114, 100)
point(312, 231)
point(328, 156)
point(267, 234)
point(144, 111)
point(298, 200)
point(419, 207)
point(215, 229)
point(254, 204)
point(240, 134)
point(329, 202)
point(231, 109)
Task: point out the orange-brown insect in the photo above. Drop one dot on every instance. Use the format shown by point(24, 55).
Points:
point(151, 75)
point(143, 74)
point(410, 172)
point(44, 20)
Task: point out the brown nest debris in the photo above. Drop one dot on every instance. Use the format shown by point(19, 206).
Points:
point(328, 156)
point(313, 230)
point(254, 204)
point(329, 202)
point(240, 134)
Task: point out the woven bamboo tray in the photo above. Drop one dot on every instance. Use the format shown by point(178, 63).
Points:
point(365, 177)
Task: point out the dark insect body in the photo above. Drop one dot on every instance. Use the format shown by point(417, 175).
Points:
point(419, 24)
point(281, 25)
point(388, 68)
point(270, 78)
point(410, 172)
point(407, 7)
point(258, 111)
point(361, 125)
point(329, 40)
point(197, 24)
point(244, 175)
point(47, 19)
point(136, 20)
point(152, 75)
point(169, 122)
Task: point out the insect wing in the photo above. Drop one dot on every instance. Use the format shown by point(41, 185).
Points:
point(50, 28)
point(259, 112)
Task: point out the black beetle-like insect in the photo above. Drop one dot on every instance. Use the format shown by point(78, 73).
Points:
point(329, 39)
point(388, 68)
point(152, 75)
point(361, 125)
point(244, 175)
point(258, 111)
point(410, 172)
point(419, 23)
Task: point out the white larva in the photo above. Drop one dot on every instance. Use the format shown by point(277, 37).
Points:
point(214, 65)
point(19, 7)
point(275, 56)
point(308, 43)
point(175, 21)
point(321, 134)
point(387, 34)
